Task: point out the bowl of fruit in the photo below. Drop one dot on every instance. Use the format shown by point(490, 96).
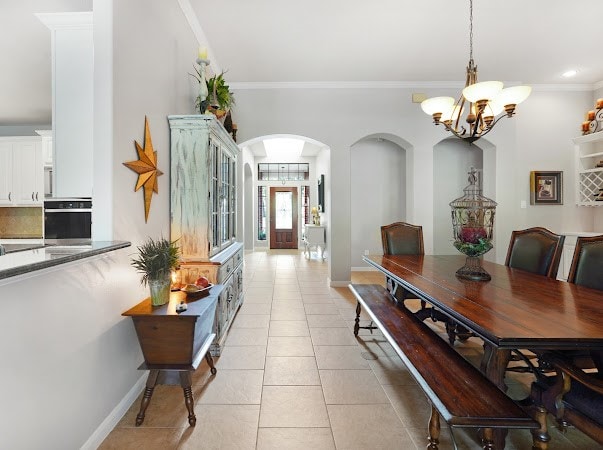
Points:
point(201, 284)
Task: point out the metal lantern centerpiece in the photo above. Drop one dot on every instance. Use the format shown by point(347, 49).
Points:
point(473, 223)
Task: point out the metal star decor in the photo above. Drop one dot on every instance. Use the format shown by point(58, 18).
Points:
point(146, 168)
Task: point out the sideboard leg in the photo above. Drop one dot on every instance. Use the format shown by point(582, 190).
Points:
point(357, 320)
point(185, 382)
point(146, 398)
point(210, 362)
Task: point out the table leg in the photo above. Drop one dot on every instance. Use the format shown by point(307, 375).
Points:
point(210, 362)
point(494, 365)
point(186, 382)
point(146, 398)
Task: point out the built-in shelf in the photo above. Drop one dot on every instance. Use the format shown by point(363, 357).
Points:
point(589, 178)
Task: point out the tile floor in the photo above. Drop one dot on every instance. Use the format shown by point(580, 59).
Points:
point(292, 376)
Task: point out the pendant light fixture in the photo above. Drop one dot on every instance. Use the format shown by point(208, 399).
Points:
point(481, 105)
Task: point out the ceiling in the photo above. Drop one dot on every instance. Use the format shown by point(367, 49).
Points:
point(268, 41)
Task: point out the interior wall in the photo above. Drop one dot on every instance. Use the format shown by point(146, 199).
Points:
point(248, 211)
point(375, 204)
point(535, 134)
point(75, 357)
point(452, 160)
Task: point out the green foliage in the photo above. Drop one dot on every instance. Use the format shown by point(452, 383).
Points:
point(483, 246)
point(156, 259)
point(219, 92)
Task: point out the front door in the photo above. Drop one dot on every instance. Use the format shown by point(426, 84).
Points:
point(283, 217)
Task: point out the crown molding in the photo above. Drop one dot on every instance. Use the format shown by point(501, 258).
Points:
point(66, 20)
point(259, 85)
point(598, 85)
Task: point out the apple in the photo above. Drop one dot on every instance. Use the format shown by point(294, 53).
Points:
point(202, 282)
point(472, 235)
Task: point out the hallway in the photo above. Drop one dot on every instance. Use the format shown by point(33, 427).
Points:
point(293, 376)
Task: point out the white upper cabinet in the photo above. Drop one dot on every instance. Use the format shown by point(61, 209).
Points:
point(21, 171)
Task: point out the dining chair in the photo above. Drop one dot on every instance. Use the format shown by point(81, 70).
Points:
point(535, 250)
point(398, 238)
point(402, 238)
point(574, 394)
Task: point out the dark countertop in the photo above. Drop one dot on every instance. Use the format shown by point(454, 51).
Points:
point(11, 248)
point(26, 261)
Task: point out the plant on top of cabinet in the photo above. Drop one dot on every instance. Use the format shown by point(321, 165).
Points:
point(155, 261)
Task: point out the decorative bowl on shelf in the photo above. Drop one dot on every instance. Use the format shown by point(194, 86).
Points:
point(472, 224)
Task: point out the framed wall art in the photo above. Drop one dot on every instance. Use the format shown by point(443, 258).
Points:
point(546, 188)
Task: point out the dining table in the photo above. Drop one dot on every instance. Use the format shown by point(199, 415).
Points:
point(514, 310)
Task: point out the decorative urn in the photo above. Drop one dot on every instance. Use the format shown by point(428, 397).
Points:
point(472, 224)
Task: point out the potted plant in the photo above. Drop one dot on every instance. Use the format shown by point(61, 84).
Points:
point(155, 261)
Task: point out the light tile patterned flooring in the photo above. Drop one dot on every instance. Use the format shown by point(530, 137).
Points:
point(292, 376)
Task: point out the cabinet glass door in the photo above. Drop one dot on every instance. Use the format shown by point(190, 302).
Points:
point(215, 193)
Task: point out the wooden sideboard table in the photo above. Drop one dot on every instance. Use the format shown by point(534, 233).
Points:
point(172, 341)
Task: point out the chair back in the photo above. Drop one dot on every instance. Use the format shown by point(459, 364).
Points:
point(401, 238)
point(535, 250)
point(587, 263)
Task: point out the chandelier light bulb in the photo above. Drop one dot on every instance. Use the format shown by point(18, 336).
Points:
point(513, 95)
point(452, 113)
point(493, 108)
point(436, 105)
point(485, 90)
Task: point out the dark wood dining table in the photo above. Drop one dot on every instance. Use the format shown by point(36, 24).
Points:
point(514, 310)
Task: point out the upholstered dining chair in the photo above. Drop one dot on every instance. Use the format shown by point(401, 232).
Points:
point(575, 393)
point(401, 238)
point(398, 238)
point(535, 250)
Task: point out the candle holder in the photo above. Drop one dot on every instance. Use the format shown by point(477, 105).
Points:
point(473, 224)
point(202, 98)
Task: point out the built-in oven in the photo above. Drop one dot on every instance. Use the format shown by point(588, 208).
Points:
point(68, 220)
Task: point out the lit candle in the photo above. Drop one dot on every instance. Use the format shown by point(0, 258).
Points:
point(591, 115)
point(202, 52)
point(585, 125)
point(599, 103)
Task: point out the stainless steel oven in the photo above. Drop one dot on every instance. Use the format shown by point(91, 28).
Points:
point(68, 220)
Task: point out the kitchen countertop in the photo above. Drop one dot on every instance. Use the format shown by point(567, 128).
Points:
point(26, 261)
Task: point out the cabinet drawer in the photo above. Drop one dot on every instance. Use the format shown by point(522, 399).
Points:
point(238, 258)
point(225, 270)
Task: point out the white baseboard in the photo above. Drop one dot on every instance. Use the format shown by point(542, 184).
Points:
point(363, 269)
point(99, 435)
point(339, 283)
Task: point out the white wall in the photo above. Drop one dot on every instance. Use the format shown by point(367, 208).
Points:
point(375, 204)
point(451, 162)
point(70, 357)
point(539, 135)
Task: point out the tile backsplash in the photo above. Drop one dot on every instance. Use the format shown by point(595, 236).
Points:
point(21, 223)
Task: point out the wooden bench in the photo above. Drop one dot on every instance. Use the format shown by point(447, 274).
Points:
point(458, 392)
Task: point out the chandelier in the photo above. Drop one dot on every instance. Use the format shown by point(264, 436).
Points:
point(482, 102)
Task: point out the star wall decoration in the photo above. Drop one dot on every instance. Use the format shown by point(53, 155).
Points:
point(146, 168)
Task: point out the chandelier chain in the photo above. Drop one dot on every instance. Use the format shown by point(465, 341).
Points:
point(470, 30)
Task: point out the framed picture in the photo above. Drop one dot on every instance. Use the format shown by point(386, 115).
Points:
point(546, 188)
point(321, 194)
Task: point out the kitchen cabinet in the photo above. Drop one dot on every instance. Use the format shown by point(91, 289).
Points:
point(21, 171)
point(203, 211)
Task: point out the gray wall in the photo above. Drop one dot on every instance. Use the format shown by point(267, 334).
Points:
point(378, 193)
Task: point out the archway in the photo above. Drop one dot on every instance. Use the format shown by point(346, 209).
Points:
point(381, 157)
point(312, 154)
